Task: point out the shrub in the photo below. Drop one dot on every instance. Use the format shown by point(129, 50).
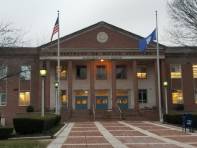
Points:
point(5, 132)
point(173, 119)
point(177, 119)
point(30, 108)
point(30, 125)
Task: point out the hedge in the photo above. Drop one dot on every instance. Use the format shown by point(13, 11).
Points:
point(30, 125)
point(177, 119)
point(5, 132)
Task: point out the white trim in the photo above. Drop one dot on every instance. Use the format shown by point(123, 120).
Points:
point(104, 57)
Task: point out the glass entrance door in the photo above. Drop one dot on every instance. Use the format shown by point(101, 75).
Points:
point(122, 99)
point(122, 102)
point(102, 102)
point(81, 100)
point(102, 99)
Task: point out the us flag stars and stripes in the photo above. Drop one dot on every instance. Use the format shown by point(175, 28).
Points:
point(55, 28)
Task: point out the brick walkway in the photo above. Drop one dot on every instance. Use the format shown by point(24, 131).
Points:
point(122, 134)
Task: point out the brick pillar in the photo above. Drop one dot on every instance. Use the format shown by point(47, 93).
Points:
point(170, 88)
point(40, 86)
point(156, 83)
point(47, 87)
point(135, 85)
point(35, 85)
point(70, 81)
point(163, 78)
point(113, 76)
point(188, 87)
point(92, 87)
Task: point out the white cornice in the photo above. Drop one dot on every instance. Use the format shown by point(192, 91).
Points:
point(140, 57)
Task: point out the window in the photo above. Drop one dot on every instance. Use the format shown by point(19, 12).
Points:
point(177, 97)
point(175, 70)
point(101, 72)
point(194, 67)
point(64, 97)
point(3, 99)
point(142, 95)
point(81, 72)
point(63, 73)
point(25, 73)
point(142, 73)
point(121, 72)
point(3, 71)
point(24, 98)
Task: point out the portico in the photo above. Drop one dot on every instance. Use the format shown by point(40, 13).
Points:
point(104, 84)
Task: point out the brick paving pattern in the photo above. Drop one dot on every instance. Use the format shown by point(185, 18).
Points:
point(85, 135)
point(129, 134)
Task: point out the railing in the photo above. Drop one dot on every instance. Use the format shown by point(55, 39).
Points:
point(120, 111)
point(93, 111)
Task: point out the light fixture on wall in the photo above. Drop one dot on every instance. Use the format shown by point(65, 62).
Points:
point(102, 60)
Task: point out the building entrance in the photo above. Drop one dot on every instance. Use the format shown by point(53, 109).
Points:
point(81, 100)
point(102, 99)
point(122, 99)
point(122, 102)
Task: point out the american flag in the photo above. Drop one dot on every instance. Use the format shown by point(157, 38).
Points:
point(55, 28)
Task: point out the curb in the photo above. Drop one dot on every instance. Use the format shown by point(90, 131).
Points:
point(58, 132)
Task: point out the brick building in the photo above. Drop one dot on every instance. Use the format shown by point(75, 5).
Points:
point(101, 66)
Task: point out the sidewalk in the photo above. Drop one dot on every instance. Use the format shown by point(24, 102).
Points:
point(120, 134)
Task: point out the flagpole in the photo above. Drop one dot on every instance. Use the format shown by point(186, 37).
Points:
point(158, 73)
point(58, 68)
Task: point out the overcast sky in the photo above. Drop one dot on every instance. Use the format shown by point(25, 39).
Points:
point(37, 17)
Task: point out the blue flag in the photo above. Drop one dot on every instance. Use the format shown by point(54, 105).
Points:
point(143, 43)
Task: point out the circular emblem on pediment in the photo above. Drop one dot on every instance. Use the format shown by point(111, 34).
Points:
point(102, 37)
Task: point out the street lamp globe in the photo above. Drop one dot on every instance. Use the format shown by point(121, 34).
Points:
point(165, 84)
point(56, 84)
point(43, 72)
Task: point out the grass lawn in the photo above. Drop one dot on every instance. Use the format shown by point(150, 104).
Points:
point(24, 143)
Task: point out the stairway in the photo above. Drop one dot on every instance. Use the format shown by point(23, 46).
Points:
point(131, 115)
point(81, 116)
point(111, 115)
point(107, 115)
point(140, 115)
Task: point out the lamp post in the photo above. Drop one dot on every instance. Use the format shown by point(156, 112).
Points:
point(56, 97)
point(43, 73)
point(165, 84)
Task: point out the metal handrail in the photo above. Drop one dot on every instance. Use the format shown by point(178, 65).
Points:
point(93, 110)
point(120, 111)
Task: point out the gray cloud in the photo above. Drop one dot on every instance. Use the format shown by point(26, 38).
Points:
point(37, 17)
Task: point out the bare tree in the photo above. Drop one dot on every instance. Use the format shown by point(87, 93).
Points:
point(5, 74)
point(10, 36)
point(183, 25)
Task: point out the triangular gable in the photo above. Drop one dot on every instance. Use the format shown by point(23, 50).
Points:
point(87, 38)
